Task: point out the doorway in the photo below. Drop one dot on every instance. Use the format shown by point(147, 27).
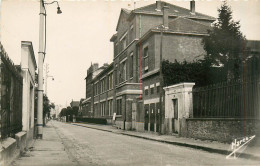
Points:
point(175, 121)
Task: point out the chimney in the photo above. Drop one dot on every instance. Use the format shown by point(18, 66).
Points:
point(95, 66)
point(192, 6)
point(105, 65)
point(166, 17)
point(158, 5)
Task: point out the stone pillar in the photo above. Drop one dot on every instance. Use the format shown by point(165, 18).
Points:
point(177, 97)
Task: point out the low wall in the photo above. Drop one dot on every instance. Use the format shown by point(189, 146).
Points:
point(222, 130)
point(92, 120)
point(140, 126)
point(11, 148)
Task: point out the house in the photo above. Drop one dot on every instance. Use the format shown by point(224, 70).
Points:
point(143, 34)
point(74, 104)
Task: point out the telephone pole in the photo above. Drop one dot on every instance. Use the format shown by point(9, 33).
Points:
point(41, 54)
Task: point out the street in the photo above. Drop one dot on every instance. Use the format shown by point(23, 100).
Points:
point(86, 146)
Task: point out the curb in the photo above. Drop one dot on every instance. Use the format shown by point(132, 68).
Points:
point(207, 149)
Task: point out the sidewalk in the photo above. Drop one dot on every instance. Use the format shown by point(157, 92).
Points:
point(46, 151)
point(251, 152)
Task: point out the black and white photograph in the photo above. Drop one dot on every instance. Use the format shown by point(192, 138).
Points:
point(129, 82)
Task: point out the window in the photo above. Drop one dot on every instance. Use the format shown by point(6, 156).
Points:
point(146, 59)
point(116, 49)
point(131, 34)
point(110, 107)
point(152, 88)
point(131, 65)
point(96, 88)
point(110, 81)
point(103, 85)
point(124, 43)
point(146, 90)
point(158, 87)
point(123, 71)
point(119, 107)
point(102, 108)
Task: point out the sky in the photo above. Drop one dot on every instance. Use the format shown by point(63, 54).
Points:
point(81, 34)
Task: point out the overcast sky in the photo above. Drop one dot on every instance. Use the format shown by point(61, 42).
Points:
point(80, 35)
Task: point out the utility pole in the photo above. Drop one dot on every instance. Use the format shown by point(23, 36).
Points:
point(40, 72)
point(46, 77)
point(161, 80)
point(41, 56)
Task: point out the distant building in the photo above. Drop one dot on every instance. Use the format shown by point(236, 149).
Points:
point(74, 104)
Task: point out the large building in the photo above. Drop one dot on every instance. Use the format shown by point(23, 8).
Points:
point(131, 85)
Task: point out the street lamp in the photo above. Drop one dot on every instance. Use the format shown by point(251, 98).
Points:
point(41, 56)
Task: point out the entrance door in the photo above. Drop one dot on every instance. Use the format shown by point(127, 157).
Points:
point(152, 116)
point(175, 122)
point(146, 116)
point(157, 116)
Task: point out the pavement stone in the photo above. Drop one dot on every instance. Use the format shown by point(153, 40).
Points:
point(46, 151)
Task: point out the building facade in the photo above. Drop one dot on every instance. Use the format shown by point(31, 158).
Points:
point(143, 35)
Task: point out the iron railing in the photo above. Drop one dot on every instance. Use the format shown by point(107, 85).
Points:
point(233, 99)
point(11, 85)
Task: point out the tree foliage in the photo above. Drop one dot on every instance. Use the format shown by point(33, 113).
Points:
point(225, 43)
point(69, 112)
point(47, 105)
point(177, 72)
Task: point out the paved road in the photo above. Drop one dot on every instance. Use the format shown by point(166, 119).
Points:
point(93, 147)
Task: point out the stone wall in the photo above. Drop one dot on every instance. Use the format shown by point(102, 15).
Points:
point(222, 130)
point(11, 148)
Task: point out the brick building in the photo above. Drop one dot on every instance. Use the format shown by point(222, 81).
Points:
point(142, 36)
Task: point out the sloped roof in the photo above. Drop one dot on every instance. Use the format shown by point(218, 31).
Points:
point(181, 25)
point(185, 25)
point(122, 10)
point(173, 10)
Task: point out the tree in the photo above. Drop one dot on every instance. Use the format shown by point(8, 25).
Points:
point(46, 108)
point(63, 112)
point(75, 110)
point(225, 43)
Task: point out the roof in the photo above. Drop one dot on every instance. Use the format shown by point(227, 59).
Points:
point(30, 45)
point(185, 25)
point(254, 45)
point(74, 103)
point(180, 25)
point(173, 10)
point(104, 71)
point(127, 12)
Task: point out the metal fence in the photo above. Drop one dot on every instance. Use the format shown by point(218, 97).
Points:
point(233, 99)
point(11, 96)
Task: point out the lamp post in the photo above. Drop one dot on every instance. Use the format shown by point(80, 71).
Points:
point(41, 56)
